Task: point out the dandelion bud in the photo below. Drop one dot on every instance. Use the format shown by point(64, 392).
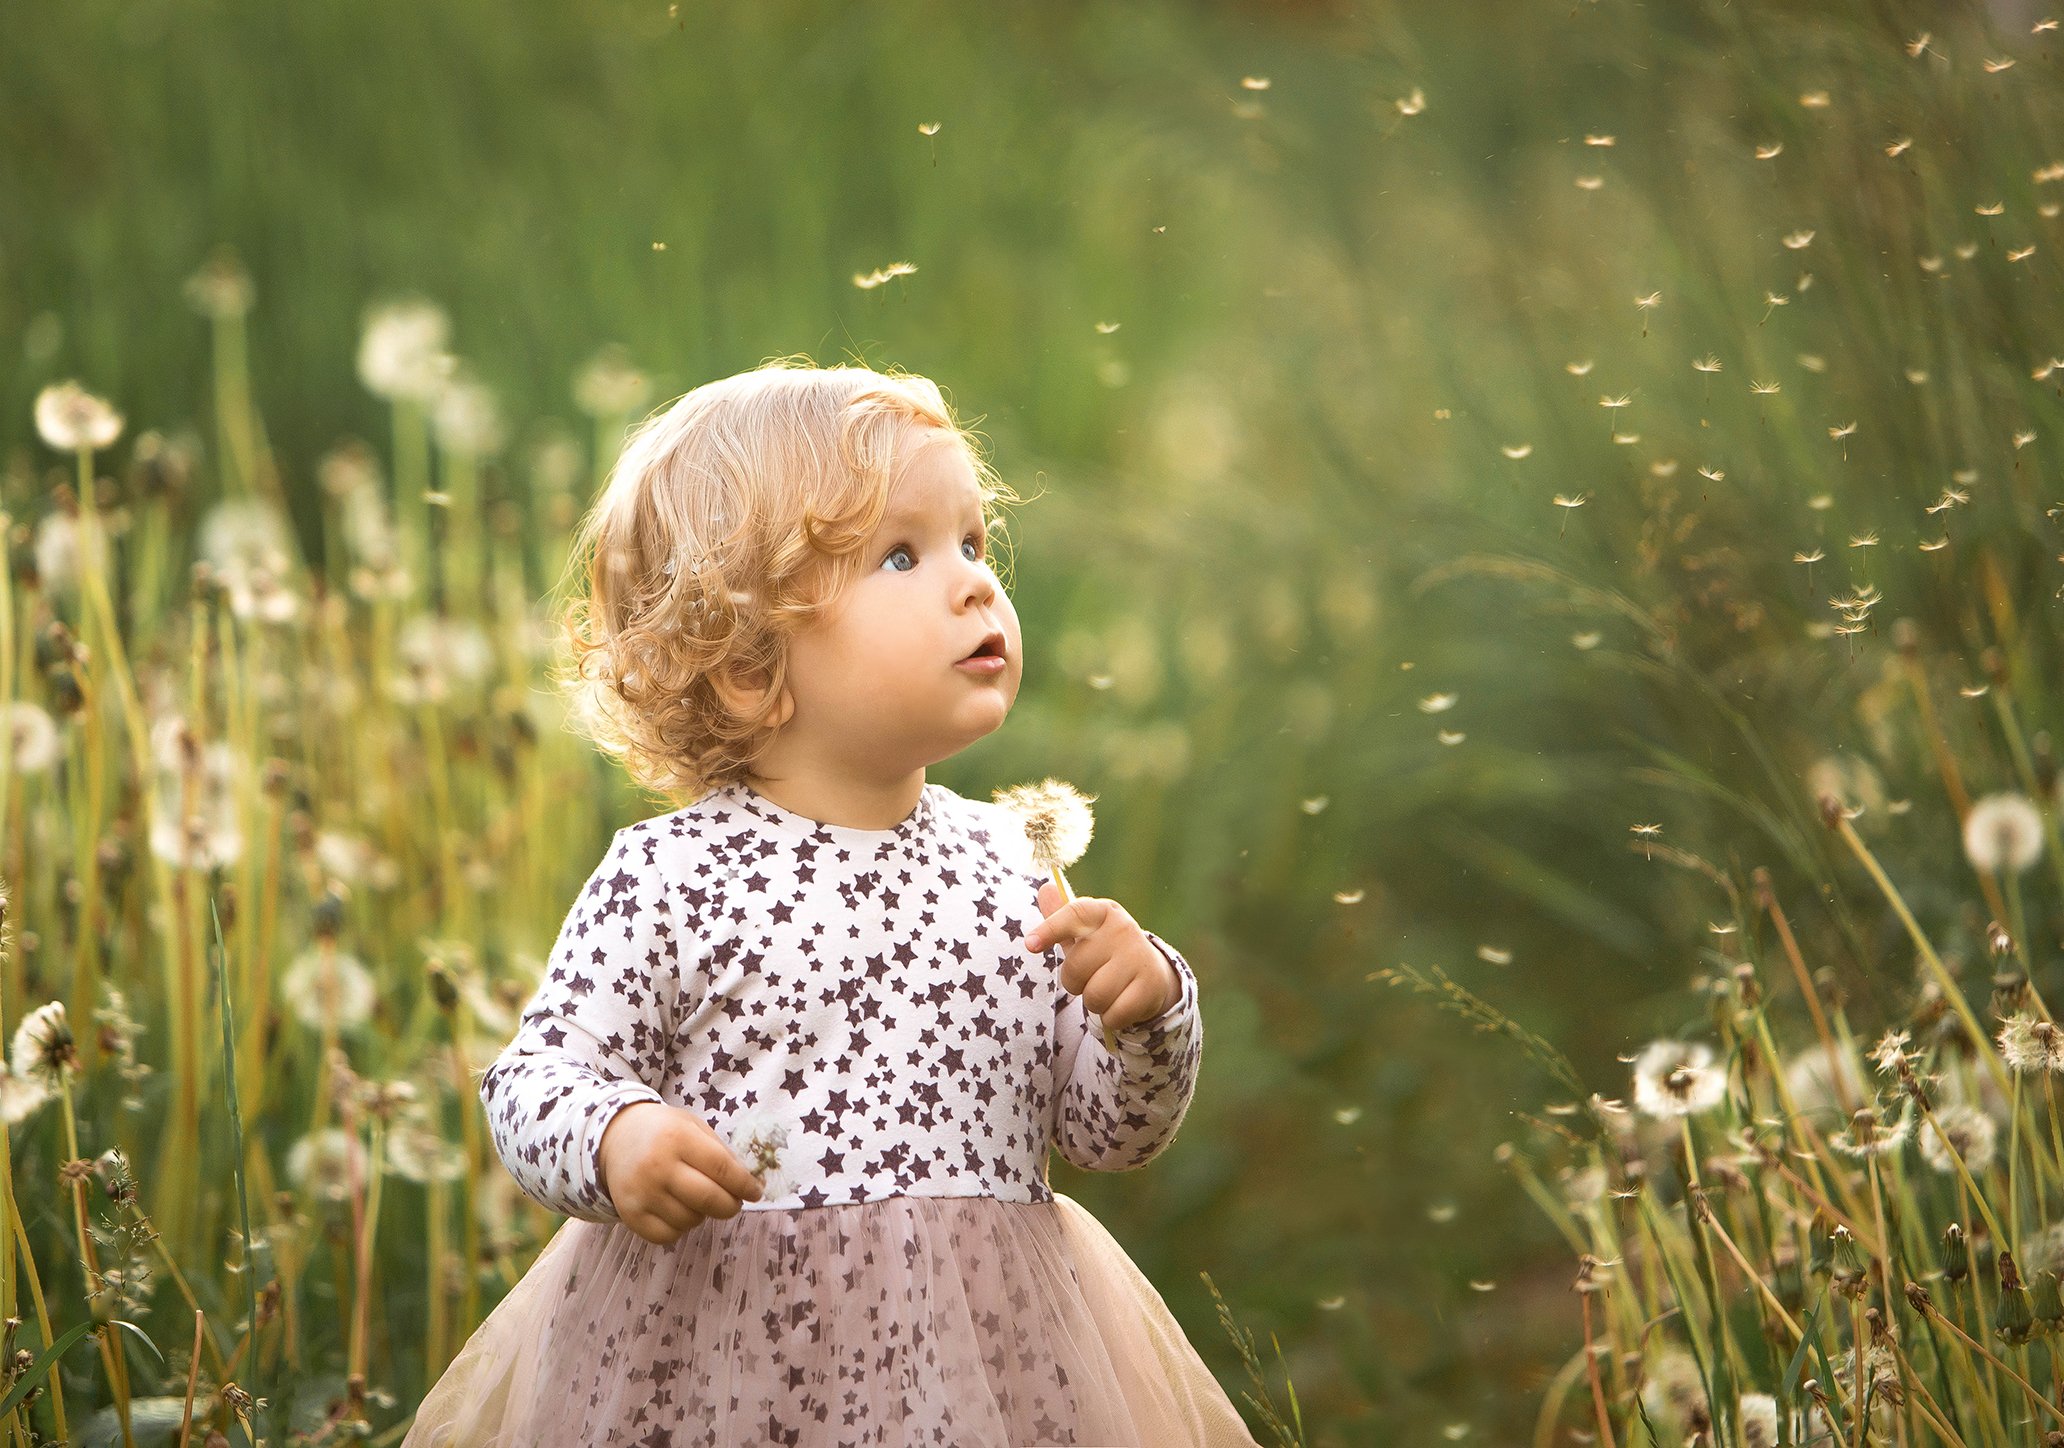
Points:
point(2009, 993)
point(1956, 1260)
point(443, 988)
point(1830, 810)
point(2045, 1302)
point(327, 919)
point(2013, 1322)
point(66, 698)
point(1918, 1299)
point(1746, 986)
point(1997, 940)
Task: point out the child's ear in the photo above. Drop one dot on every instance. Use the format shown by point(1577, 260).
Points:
point(746, 694)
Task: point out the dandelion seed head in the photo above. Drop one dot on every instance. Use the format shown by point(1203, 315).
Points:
point(1873, 1132)
point(2003, 832)
point(2030, 1045)
point(326, 1163)
point(401, 350)
point(1677, 1078)
point(71, 419)
point(43, 1048)
point(1056, 818)
point(1971, 1133)
point(1757, 1414)
point(326, 984)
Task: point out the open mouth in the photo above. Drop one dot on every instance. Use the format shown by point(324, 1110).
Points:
point(990, 648)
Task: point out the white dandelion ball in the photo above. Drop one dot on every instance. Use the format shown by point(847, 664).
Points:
point(1677, 1078)
point(466, 418)
point(1970, 1131)
point(1819, 1079)
point(42, 1044)
point(326, 1163)
point(332, 987)
point(1758, 1415)
point(33, 741)
point(19, 1095)
point(401, 352)
point(57, 549)
point(2003, 832)
point(761, 1138)
point(69, 418)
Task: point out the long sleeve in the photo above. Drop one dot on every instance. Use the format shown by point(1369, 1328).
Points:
point(591, 1039)
point(1118, 1112)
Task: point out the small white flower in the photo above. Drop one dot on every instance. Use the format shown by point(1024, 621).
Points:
point(333, 987)
point(401, 353)
point(326, 1163)
point(69, 418)
point(2003, 832)
point(760, 1137)
point(1970, 1131)
point(43, 1045)
point(1677, 1078)
point(33, 741)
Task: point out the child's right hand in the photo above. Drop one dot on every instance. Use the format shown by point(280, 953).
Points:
point(666, 1171)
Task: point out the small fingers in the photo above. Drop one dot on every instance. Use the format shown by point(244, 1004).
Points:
point(703, 1196)
point(1134, 1004)
point(1078, 918)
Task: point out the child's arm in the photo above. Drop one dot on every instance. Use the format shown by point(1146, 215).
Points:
point(591, 1037)
point(1118, 1112)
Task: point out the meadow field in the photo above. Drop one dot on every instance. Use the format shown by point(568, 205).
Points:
point(1541, 530)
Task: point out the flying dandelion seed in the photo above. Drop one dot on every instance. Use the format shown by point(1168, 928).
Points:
point(1965, 250)
point(930, 130)
point(1496, 955)
point(1349, 897)
point(1577, 369)
point(1798, 240)
point(1647, 834)
point(1815, 100)
point(2023, 439)
point(1413, 104)
point(868, 281)
point(1623, 439)
point(1821, 502)
point(1916, 375)
point(2022, 255)
point(1713, 475)
point(1809, 559)
point(1437, 703)
point(1590, 183)
point(1612, 404)
point(1677, 1078)
point(1653, 299)
point(1771, 302)
point(1935, 547)
point(1763, 389)
point(1107, 328)
point(1770, 152)
point(1600, 140)
point(1450, 736)
point(1974, 691)
point(1441, 1212)
point(1586, 641)
point(1898, 147)
point(2041, 25)
point(1918, 46)
point(1930, 263)
point(1995, 209)
point(1516, 451)
point(1995, 66)
point(1255, 82)
point(1568, 505)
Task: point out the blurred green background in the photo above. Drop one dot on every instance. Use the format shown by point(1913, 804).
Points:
point(1294, 323)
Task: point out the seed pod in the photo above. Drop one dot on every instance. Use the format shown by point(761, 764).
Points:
point(1956, 1262)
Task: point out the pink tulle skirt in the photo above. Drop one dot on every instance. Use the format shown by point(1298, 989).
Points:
point(967, 1322)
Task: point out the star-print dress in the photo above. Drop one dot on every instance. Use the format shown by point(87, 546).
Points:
point(862, 1002)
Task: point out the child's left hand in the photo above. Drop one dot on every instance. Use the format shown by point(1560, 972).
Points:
point(1106, 958)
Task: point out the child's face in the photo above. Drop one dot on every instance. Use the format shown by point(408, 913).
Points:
point(877, 681)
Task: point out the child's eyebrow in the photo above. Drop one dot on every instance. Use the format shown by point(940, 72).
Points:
point(906, 515)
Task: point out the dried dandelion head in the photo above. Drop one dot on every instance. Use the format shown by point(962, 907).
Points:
point(758, 1137)
point(1872, 1131)
point(2029, 1045)
point(1056, 818)
point(1677, 1078)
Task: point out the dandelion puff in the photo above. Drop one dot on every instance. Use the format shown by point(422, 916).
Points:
point(1757, 1415)
point(2029, 1045)
point(610, 385)
point(1870, 1133)
point(1820, 1077)
point(2003, 832)
point(31, 737)
point(401, 350)
point(1057, 820)
point(69, 418)
point(1970, 1132)
point(326, 1163)
point(1677, 1078)
point(1673, 1388)
point(2042, 1251)
point(329, 985)
point(43, 1047)
point(758, 1136)
point(20, 1095)
point(418, 1152)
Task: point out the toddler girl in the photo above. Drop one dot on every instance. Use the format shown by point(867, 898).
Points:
point(803, 1046)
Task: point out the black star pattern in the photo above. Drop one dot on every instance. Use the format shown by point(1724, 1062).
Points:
point(916, 1075)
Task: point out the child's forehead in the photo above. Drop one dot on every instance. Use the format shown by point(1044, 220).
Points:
point(937, 476)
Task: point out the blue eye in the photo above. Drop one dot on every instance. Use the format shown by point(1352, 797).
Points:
point(974, 540)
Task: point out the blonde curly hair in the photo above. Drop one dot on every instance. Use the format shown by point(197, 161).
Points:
point(731, 520)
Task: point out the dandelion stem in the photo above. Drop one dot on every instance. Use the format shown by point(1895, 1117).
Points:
point(1978, 1347)
point(1980, 1039)
point(1605, 1432)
